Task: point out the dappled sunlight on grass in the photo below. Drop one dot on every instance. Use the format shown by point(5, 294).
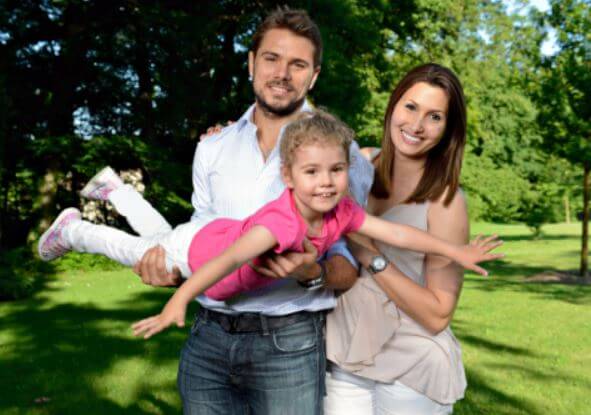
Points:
point(74, 346)
point(526, 345)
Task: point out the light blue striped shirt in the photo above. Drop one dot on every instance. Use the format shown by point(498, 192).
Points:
point(231, 179)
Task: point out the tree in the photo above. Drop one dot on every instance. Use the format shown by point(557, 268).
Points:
point(146, 76)
point(566, 97)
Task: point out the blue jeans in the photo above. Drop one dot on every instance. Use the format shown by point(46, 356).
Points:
point(280, 372)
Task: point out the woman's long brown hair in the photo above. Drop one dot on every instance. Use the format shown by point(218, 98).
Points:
point(444, 161)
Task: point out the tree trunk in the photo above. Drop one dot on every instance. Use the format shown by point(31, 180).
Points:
point(46, 201)
point(585, 242)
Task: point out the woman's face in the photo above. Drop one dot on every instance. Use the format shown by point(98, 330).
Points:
point(419, 120)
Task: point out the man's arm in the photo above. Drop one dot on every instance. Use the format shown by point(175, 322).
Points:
point(340, 266)
point(340, 273)
point(201, 197)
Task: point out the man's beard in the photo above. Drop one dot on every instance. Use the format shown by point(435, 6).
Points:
point(282, 111)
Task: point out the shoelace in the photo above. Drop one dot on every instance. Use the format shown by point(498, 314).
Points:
point(102, 191)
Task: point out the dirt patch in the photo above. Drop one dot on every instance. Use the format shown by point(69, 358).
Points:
point(554, 277)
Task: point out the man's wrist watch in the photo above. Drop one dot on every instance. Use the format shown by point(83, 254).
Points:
point(377, 264)
point(315, 283)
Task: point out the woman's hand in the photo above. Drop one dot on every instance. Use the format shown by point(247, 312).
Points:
point(214, 130)
point(173, 313)
point(478, 250)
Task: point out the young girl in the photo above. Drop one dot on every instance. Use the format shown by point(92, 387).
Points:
point(314, 155)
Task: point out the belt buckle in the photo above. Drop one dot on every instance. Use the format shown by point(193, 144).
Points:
point(225, 322)
point(233, 324)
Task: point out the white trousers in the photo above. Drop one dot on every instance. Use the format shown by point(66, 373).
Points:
point(127, 249)
point(348, 394)
point(139, 213)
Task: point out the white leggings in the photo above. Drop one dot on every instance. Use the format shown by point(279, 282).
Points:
point(128, 249)
point(140, 214)
point(348, 394)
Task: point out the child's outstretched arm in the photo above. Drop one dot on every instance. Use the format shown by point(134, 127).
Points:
point(408, 237)
point(255, 242)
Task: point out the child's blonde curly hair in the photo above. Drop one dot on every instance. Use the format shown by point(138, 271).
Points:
point(316, 127)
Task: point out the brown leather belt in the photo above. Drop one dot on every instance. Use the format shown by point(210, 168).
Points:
point(252, 322)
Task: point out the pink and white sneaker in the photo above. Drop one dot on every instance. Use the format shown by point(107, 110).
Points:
point(103, 183)
point(51, 244)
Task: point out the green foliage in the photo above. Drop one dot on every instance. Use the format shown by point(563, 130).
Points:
point(537, 209)
point(494, 193)
point(74, 261)
point(565, 96)
point(147, 78)
point(20, 273)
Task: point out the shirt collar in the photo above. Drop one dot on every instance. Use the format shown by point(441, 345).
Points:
point(246, 118)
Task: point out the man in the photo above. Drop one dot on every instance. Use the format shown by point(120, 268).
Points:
point(262, 353)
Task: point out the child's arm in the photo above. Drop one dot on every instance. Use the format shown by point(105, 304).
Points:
point(407, 237)
point(255, 242)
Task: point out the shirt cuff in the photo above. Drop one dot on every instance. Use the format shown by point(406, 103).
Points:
point(340, 248)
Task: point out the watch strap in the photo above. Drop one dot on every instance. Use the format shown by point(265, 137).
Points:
point(315, 283)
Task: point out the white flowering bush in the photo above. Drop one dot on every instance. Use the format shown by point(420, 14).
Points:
point(102, 212)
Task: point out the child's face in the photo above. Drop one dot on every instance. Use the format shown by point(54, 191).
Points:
point(319, 178)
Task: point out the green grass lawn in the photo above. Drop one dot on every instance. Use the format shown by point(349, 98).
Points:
point(526, 346)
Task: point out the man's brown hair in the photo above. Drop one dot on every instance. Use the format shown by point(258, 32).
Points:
point(296, 21)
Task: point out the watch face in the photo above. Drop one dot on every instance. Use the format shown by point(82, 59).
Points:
point(378, 263)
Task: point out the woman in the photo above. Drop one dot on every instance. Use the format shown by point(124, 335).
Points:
point(388, 340)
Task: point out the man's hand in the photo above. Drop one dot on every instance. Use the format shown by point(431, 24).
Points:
point(152, 269)
point(299, 265)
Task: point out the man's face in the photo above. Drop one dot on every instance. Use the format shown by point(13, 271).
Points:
point(283, 71)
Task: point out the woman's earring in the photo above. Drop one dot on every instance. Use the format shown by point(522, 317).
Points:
point(249, 78)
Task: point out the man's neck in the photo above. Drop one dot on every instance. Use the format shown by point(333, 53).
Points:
point(269, 127)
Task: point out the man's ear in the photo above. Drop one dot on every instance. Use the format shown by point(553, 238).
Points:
point(314, 77)
point(250, 63)
point(286, 176)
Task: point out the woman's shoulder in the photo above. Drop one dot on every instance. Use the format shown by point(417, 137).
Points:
point(449, 219)
point(455, 205)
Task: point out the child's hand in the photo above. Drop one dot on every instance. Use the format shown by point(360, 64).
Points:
point(478, 250)
point(172, 313)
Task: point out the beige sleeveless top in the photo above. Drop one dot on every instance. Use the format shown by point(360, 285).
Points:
point(368, 336)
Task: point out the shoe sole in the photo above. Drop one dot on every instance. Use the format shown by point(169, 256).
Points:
point(52, 227)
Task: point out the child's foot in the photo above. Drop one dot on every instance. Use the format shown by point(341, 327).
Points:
point(51, 243)
point(103, 183)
